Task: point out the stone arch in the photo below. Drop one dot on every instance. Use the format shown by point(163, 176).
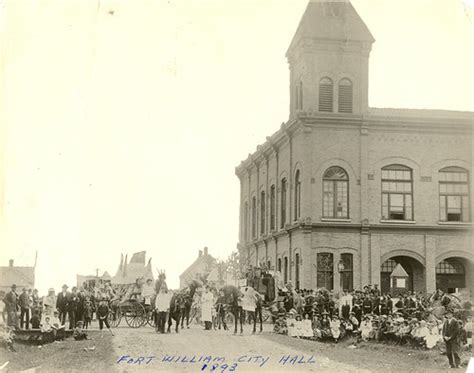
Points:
point(405, 161)
point(413, 263)
point(319, 172)
point(402, 252)
point(435, 167)
point(454, 253)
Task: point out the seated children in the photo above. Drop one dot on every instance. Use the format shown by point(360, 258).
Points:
point(365, 328)
point(307, 328)
point(78, 333)
point(335, 328)
point(35, 320)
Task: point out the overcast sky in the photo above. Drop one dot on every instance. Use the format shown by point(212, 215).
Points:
point(122, 121)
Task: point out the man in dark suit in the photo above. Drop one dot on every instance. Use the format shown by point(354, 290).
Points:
point(11, 306)
point(62, 304)
point(450, 336)
point(24, 309)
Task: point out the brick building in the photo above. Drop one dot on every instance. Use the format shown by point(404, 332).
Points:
point(343, 192)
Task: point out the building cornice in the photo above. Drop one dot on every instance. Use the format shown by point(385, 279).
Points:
point(399, 120)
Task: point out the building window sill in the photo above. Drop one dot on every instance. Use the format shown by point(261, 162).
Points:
point(336, 220)
point(461, 223)
point(398, 221)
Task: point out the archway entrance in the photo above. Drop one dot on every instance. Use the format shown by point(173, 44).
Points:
point(451, 274)
point(414, 269)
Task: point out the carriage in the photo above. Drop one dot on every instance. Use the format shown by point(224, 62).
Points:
point(129, 305)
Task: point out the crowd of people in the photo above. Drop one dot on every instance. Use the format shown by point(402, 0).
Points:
point(53, 313)
point(415, 320)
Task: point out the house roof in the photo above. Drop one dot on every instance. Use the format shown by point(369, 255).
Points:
point(331, 20)
point(399, 271)
point(21, 276)
point(203, 258)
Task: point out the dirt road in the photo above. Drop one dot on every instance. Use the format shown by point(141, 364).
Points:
point(196, 350)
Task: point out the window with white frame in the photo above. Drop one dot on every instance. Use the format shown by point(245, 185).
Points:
point(335, 193)
point(454, 194)
point(397, 193)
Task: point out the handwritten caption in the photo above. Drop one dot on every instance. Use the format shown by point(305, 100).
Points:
point(216, 363)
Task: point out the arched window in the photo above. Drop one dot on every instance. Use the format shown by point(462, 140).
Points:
point(335, 193)
point(397, 193)
point(347, 272)
point(454, 194)
point(451, 267)
point(254, 217)
point(283, 203)
point(299, 95)
point(272, 207)
point(279, 264)
point(262, 213)
point(297, 195)
point(345, 96)
point(326, 93)
point(325, 270)
point(246, 221)
point(297, 271)
point(285, 270)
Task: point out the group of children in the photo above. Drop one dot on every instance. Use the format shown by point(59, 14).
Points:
point(393, 328)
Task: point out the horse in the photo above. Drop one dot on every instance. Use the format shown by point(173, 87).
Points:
point(176, 306)
point(188, 302)
point(233, 295)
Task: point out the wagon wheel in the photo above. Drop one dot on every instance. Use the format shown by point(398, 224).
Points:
point(150, 317)
point(266, 314)
point(115, 316)
point(135, 316)
point(229, 320)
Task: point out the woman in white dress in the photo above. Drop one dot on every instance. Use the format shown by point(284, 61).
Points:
point(207, 302)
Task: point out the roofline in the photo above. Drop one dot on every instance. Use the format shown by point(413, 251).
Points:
point(401, 119)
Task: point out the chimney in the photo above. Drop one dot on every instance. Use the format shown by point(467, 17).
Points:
point(200, 253)
point(205, 251)
point(10, 262)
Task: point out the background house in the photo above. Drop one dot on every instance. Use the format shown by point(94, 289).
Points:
point(21, 276)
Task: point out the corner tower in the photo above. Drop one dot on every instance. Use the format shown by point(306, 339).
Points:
point(329, 60)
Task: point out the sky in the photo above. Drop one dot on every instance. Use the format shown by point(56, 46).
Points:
point(121, 122)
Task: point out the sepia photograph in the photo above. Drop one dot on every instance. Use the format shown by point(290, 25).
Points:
point(236, 186)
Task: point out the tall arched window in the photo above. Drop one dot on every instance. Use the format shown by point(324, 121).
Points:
point(246, 221)
point(283, 203)
point(397, 193)
point(285, 270)
point(454, 194)
point(345, 96)
point(279, 265)
point(326, 94)
point(272, 207)
point(297, 195)
point(325, 270)
point(335, 193)
point(297, 271)
point(299, 95)
point(254, 217)
point(262, 212)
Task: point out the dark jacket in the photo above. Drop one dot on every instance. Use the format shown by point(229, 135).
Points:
point(11, 301)
point(62, 301)
point(451, 329)
point(24, 300)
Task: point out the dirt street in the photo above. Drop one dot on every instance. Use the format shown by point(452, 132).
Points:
point(196, 350)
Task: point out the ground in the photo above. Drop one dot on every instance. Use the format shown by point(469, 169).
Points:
point(196, 350)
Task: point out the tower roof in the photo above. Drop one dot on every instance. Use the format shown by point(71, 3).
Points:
point(331, 20)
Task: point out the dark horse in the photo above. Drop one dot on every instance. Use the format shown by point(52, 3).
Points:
point(187, 302)
point(176, 306)
point(232, 295)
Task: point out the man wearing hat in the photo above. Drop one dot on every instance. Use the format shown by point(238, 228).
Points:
point(450, 336)
point(62, 304)
point(24, 300)
point(11, 306)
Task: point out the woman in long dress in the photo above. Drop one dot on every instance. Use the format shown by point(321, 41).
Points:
point(207, 302)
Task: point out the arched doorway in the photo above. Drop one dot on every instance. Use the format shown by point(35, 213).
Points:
point(451, 274)
point(414, 269)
